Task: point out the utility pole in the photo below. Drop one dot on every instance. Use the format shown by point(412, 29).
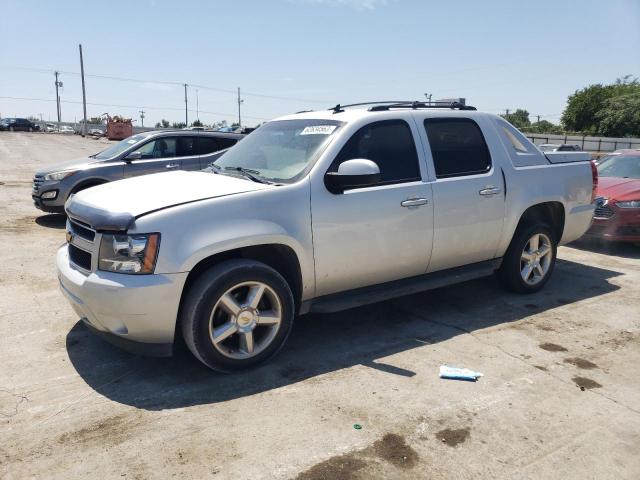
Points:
point(239, 103)
point(186, 106)
point(197, 107)
point(84, 95)
point(506, 112)
point(538, 117)
point(428, 95)
point(142, 118)
point(58, 84)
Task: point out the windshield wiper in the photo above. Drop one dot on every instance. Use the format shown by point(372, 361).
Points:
point(247, 172)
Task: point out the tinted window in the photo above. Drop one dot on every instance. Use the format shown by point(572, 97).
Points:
point(185, 146)
point(159, 148)
point(567, 148)
point(207, 145)
point(389, 144)
point(457, 146)
point(226, 142)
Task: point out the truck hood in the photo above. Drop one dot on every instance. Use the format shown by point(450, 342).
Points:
point(116, 205)
point(619, 188)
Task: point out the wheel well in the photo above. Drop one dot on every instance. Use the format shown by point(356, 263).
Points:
point(87, 184)
point(551, 213)
point(279, 257)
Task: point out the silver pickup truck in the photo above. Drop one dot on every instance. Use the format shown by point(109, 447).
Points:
point(318, 212)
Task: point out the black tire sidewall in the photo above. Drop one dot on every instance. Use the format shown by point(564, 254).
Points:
point(509, 272)
point(203, 296)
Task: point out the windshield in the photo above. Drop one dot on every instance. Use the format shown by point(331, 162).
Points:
point(281, 151)
point(623, 166)
point(119, 147)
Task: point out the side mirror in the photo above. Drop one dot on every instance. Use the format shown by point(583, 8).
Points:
point(133, 156)
point(356, 173)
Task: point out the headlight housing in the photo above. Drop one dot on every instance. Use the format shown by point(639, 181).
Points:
point(131, 254)
point(57, 176)
point(629, 204)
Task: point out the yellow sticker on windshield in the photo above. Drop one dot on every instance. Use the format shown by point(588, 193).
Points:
point(318, 130)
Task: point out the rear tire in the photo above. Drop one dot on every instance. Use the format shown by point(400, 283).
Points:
point(237, 314)
point(530, 259)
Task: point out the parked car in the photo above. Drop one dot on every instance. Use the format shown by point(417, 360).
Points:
point(615, 153)
point(318, 212)
point(617, 213)
point(66, 130)
point(96, 132)
point(18, 125)
point(149, 152)
point(50, 128)
point(565, 147)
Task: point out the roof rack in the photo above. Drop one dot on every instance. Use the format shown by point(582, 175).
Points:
point(389, 104)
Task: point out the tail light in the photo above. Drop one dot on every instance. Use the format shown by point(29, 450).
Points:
point(594, 177)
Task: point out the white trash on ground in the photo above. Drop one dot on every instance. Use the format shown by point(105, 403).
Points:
point(455, 373)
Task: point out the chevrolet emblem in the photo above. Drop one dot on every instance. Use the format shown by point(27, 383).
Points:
point(69, 236)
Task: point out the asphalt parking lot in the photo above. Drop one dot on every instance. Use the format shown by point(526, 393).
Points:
point(560, 396)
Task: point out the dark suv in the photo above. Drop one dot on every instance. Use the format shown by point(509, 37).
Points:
point(141, 154)
point(18, 125)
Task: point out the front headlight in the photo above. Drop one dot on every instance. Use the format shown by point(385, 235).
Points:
point(629, 204)
point(59, 175)
point(132, 254)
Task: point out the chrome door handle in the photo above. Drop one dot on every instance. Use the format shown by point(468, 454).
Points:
point(414, 202)
point(486, 192)
point(172, 165)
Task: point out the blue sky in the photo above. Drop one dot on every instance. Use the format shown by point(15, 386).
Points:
point(313, 53)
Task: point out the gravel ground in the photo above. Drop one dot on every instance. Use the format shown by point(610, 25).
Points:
point(560, 396)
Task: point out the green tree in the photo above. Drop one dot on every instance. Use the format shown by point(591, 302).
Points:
point(197, 123)
point(620, 116)
point(178, 125)
point(544, 126)
point(603, 109)
point(519, 118)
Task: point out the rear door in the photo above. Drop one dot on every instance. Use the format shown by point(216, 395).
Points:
point(187, 152)
point(158, 155)
point(468, 193)
point(207, 145)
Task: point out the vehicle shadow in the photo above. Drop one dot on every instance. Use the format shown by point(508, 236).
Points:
point(324, 343)
point(52, 220)
point(619, 249)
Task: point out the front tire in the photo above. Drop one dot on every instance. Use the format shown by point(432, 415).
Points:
point(237, 314)
point(530, 259)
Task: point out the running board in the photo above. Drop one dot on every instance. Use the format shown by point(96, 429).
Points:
point(336, 302)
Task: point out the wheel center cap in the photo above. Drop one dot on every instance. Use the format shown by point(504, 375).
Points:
point(245, 318)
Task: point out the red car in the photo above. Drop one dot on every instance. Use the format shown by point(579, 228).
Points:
point(617, 214)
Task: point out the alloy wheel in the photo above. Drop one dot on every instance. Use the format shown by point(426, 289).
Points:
point(535, 259)
point(245, 320)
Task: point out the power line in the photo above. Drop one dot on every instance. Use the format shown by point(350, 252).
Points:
point(227, 114)
point(165, 82)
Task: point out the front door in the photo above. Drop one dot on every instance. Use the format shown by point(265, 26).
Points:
point(468, 194)
point(158, 155)
point(380, 233)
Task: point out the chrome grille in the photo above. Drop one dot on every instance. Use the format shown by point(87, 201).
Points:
point(37, 181)
point(82, 240)
point(603, 210)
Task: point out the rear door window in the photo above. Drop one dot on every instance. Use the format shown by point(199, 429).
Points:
point(457, 146)
point(390, 145)
point(226, 142)
point(207, 145)
point(185, 146)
